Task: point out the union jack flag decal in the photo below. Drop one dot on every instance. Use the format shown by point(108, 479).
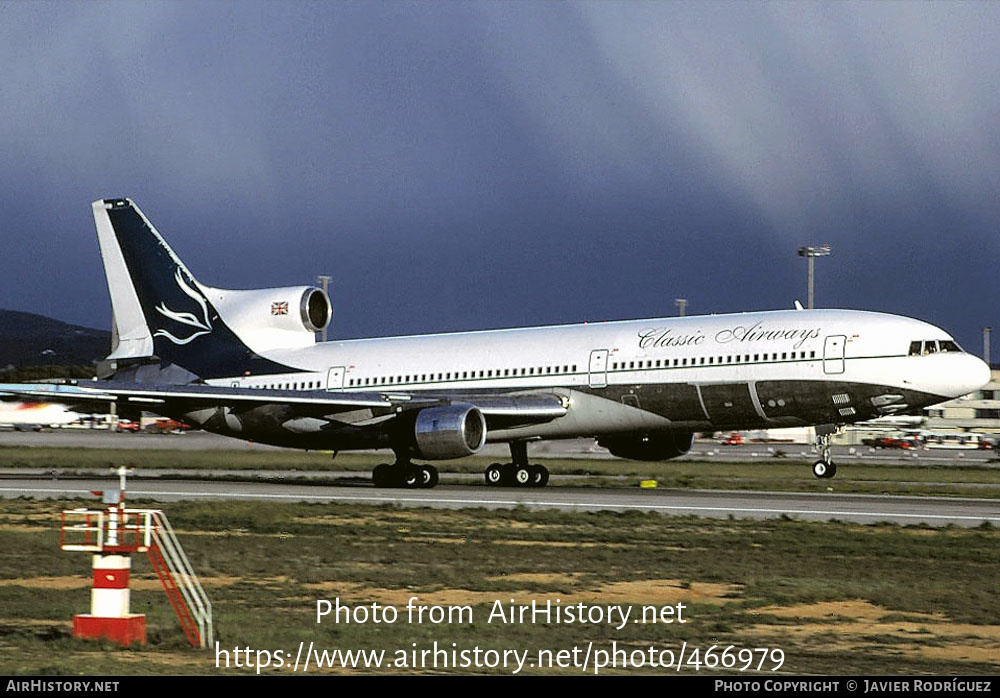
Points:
point(279, 308)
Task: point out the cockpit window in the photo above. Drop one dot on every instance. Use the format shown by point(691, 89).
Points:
point(933, 346)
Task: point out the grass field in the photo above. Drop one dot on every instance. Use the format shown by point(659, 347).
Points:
point(835, 598)
point(772, 475)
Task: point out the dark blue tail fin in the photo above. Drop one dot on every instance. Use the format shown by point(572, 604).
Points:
point(158, 307)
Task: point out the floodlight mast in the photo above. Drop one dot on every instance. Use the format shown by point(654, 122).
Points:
point(810, 252)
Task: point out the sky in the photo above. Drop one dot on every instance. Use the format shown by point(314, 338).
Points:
point(469, 165)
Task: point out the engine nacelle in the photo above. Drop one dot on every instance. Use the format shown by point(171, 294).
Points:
point(650, 447)
point(273, 318)
point(455, 431)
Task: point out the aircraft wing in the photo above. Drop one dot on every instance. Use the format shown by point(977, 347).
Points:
point(148, 395)
point(500, 410)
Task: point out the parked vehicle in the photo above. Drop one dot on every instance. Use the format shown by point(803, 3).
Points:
point(962, 440)
point(905, 443)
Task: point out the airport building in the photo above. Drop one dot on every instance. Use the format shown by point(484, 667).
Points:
point(976, 412)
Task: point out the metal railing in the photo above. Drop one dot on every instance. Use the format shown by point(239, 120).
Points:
point(145, 530)
point(186, 581)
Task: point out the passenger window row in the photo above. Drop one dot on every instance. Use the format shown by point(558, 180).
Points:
point(297, 385)
point(712, 360)
point(463, 375)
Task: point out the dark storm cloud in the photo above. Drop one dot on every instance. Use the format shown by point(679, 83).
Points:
point(492, 164)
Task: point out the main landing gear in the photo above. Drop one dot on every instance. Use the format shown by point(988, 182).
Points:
point(518, 473)
point(403, 473)
point(825, 467)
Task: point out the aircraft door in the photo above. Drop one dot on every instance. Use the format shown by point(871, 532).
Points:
point(335, 378)
point(833, 353)
point(599, 368)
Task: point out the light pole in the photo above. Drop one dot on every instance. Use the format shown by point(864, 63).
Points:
point(324, 283)
point(681, 304)
point(810, 253)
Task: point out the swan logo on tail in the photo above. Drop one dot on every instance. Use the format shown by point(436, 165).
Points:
point(203, 326)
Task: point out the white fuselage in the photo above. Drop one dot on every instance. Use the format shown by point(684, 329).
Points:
point(775, 345)
point(619, 360)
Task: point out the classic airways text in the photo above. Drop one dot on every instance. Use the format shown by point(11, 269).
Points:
point(659, 337)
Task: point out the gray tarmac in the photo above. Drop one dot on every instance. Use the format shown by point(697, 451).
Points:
point(465, 491)
point(573, 448)
point(932, 511)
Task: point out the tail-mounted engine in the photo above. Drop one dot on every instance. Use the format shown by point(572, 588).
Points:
point(273, 318)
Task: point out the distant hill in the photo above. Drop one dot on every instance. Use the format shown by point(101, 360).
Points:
point(27, 339)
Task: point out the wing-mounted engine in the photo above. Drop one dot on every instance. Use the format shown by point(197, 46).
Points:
point(649, 447)
point(273, 318)
point(452, 431)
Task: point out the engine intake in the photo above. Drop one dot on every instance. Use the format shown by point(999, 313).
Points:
point(455, 431)
point(316, 309)
point(649, 447)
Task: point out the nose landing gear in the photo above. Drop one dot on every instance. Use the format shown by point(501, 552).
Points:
point(824, 468)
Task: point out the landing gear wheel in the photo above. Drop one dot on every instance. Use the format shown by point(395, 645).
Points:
point(428, 476)
point(493, 474)
point(412, 476)
point(524, 475)
point(823, 469)
point(539, 476)
point(382, 475)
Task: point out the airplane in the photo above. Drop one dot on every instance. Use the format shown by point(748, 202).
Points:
point(246, 364)
point(34, 415)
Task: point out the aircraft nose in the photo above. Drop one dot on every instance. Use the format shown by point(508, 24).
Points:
point(969, 374)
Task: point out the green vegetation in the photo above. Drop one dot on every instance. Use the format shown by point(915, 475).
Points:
point(836, 598)
point(774, 475)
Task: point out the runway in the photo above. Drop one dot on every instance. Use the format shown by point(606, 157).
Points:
point(933, 511)
point(584, 449)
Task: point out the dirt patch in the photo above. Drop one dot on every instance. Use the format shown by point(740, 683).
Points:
point(855, 608)
point(853, 624)
point(35, 622)
point(659, 592)
point(73, 582)
point(77, 582)
point(580, 544)
point(986, 655)
point(332, 519)
point(193, 658)
point(563, 544)
point(537, 578)
point(233, 533)
point(897, 629)
point(47, 517)
point(25, 528)
point(427, 539)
